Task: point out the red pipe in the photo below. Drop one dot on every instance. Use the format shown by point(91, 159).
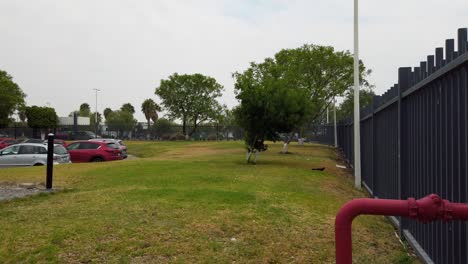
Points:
point(426, 209)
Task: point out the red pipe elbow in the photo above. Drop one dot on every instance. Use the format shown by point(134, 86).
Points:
point(426, 209)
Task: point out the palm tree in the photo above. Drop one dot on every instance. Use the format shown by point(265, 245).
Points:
point(106, 112)
point(150, 108)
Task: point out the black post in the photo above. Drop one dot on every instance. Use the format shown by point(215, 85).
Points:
point(50, 161)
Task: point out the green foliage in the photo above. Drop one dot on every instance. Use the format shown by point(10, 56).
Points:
point(190, 98)
point(346, 108)
point(268, 106)
point(128, 107)
point(283, 93)
point(41, 117)
point(120, 121)
point(11, 98)
point(164, 126)
point(226, 117)
point(106, 112)
point(93, 117)
point(150, 110)
point(85, 110)
point(321, 70)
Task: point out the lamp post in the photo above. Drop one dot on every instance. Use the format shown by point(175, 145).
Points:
point(96, 113)
point(357, 139)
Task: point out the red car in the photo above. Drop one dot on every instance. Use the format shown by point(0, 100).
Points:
point(5, 142)
point(87, 151)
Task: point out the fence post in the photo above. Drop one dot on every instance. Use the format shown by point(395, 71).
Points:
point(374, 193)
point(404, 81)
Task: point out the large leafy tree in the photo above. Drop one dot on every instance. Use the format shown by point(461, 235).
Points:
point(11, 98)
point(321, 70)
point(268, 105)
point(150, 110)
point(283, 93)
point(121, 121)
point(41, 117)
point(190, 98)
point(128, 107)
point(85, 110)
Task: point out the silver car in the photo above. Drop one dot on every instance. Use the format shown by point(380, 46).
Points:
point(31, 154)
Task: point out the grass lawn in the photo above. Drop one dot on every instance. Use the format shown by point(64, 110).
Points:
point(184, 202)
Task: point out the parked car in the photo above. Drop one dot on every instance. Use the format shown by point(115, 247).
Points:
point(31, 154)
point(82, 135)
point(120, 143)
point(89, 151)
point(57, 141)
point(5, 142)
point(33, 140)
point(70, 135)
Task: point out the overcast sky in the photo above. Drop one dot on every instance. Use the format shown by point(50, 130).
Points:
point(58, 51)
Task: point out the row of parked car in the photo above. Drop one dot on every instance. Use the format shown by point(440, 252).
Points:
point(33, 152)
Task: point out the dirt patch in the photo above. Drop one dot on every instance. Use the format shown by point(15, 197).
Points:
point(10, 190)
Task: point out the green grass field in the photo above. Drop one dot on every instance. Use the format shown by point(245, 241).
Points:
point(183, 202)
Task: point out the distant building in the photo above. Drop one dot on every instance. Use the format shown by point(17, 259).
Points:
point(68, 121)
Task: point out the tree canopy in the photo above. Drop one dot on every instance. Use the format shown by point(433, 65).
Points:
point(11, 98)
point(85, 110)
point(282, 93)
point(190, 98)
point(128, 107)
point(106, 112)
point(150, 110)
point(346, 108)
point(41, 117)
point(120, 121)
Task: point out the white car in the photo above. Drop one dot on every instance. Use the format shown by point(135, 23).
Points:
point(31, 154)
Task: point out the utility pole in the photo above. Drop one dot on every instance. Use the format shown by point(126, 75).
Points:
point(357, 133)
point(96, 113)
point(327, 117)
point(334, 121)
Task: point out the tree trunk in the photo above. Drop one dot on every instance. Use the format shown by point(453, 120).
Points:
point(184, 127)
point(249, 155)
point(256, 156)
point(286, 144)
point(285, 147)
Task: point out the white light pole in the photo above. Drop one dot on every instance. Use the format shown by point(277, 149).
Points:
point(357, 133)
point(334, 121)
point(96, 114)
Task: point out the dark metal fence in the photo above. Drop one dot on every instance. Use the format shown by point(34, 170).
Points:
point(415, 142)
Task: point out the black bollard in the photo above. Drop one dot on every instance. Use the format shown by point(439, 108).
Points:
point(50, 160)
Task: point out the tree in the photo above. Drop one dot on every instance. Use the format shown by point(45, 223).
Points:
point(128, 107)
point(150, 110)
point(22, 114)
point(164, 127)
point(346, 108)
point(121, 121)
point(190, 98)
point(92, 120)
point(11, 98)
point(283, 93)
point(85, 110)
point(106, 112)
point(268, 105)
point(41, 117)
